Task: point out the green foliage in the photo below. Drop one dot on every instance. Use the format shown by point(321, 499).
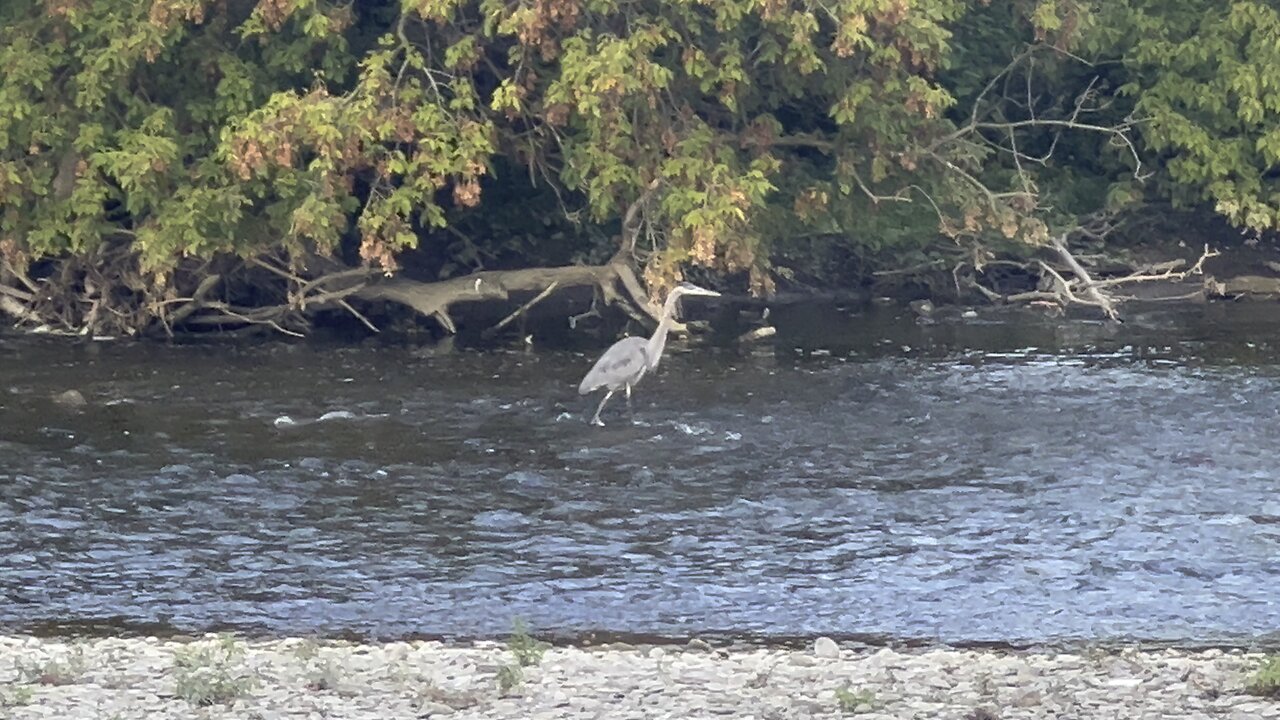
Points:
point(510, 677)
point(1266, 680)
point(321, 672)
point(15, 695)
point(210, 673)
point(1204, 76)
point(850, 701)
point(752, 137)
point(190, 128)
point(526, 649)
point(62, 669)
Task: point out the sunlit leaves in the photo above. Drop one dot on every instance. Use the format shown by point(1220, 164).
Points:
point(198, 220)
point(200, 120)
point(197, 127)
point(111, 115)
point(1208, 84)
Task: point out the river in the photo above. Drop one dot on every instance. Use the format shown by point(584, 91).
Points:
point(1003, 479)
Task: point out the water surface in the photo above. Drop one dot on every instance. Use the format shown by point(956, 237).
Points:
point(991, 480)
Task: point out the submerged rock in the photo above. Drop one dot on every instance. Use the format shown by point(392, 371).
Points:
point(72, 399)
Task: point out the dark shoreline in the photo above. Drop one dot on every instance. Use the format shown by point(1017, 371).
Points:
point(98, 629)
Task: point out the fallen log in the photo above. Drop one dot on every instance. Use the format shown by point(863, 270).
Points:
point(436, 299)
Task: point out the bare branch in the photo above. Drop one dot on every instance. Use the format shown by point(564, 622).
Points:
point(193, 304)
point(10, 306)
point(897, 197)
point(230, 316)
point(1168, 272)
point(1091, 291)
point(1084, 289)
point(593, 311)
point(347, 306)
point(521, 310)
point(1120, 133)
point(20, 274)
point(631, 284)
point(629, 229)
point(17, 294)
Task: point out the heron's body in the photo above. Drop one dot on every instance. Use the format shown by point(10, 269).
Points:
point(627, 361)
point(623, 364)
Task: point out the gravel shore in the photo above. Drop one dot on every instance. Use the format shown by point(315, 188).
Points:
point(150, 678)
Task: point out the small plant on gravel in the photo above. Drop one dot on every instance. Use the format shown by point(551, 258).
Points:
point(527, 652)
point(510, 677)
point(1266, 680)
point(526, 649)
point(210, 673)
point(850, 701)
point(322, 673)
point(306, 650)
point(1096, 656)
point(62, 669)
point(15, 695)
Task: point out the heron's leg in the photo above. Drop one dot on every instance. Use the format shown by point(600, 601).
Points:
point(630, 410)
point(596, 420)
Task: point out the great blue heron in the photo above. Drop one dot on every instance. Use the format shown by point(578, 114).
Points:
point(626, 361)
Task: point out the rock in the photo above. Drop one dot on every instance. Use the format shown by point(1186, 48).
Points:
point(133, 679)
point(70, 399)
point(921, 307)
point(825, 647)
point(698, 645)
point(1027, 698)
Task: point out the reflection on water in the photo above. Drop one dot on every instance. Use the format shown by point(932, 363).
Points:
point(1002, 481)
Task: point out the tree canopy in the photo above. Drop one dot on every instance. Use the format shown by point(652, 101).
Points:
point(155, 154)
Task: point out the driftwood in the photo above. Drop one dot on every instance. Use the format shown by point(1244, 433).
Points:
point(196, 302)
point(1244, 286)
point(1090, 288)
point(760, 333)
point(326, 284)
point(615, 282)
point(521, 310)
point(1084, 289)
point(436, 299)
point(115, 290)
point(19, 311)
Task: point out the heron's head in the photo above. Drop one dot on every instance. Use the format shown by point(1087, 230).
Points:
point(686, 288)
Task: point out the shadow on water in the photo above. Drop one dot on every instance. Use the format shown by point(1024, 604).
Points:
point(995, 480)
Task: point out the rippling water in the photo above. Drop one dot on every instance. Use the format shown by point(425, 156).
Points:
point(1012, 481)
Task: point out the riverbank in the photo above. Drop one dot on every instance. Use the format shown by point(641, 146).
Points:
point(152, 678)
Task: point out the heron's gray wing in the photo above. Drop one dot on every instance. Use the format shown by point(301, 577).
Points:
point(623, 361)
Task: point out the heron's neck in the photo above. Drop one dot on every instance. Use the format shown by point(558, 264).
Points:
point(658, 340)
